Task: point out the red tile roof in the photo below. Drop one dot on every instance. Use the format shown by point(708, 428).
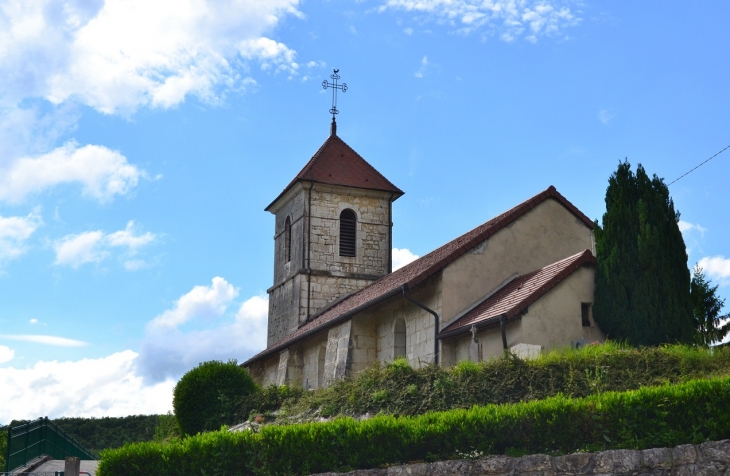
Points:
point(519, 293)
point(417, 271)
point(336, 163)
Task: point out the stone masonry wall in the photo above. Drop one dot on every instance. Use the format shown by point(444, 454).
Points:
point(372, 233)
point(707, 459)
point(291, 300)
point(326, 289)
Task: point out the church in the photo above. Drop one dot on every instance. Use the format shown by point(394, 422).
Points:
point(521, 282)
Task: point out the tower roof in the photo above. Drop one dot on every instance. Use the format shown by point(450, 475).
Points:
point(336, 163)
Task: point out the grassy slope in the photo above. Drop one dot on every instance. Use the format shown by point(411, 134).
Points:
point(398, 389)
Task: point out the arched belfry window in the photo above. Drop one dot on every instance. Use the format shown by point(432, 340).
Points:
point(287, 240)
point(348, 233)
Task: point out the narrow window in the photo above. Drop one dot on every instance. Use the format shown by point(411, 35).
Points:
point(399, 339)
point(585, 311)
point(320, 366)
point(287, 239)
point(348, 225)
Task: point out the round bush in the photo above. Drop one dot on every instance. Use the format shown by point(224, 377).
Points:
point(206, 397)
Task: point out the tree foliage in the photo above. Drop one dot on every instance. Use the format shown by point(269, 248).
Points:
point(96, 434)
point(642, 281)
point(207, 396)
point(706, 306)
point(3, 446)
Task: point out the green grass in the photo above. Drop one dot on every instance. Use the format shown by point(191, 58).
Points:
point(668, 415)
point(398, 389)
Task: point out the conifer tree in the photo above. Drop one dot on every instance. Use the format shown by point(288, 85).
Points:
point(711, 326)
point(642, 280)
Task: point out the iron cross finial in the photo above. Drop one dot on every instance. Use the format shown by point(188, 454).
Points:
point(342, 87)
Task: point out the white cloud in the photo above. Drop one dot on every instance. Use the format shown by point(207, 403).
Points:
point(95, 246)
point(107, 386)
point(167, 351)
point(45, 340)
point(103, 173)
point(510, 19)
point(118, 55)
point(424, 67)
point(408, 31)
point(6, 354)
point(33, 321)
point(127, 238)
point(75, 250)
point(717, 268)
point(201, 301)
point(14, 232)
point(402, 257)
point(605, 116)
point(270, 53)
point(685, 226)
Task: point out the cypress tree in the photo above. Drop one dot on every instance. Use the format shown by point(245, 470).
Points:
point(642, 280)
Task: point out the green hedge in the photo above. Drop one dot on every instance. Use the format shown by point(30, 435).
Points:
point(649, 417)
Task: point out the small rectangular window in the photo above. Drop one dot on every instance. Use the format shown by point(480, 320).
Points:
point(585, 312)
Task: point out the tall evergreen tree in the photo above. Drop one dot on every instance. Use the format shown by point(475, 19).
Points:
point(707, 305)
point(642, 280)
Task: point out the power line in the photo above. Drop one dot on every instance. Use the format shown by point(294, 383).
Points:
point(703, 163)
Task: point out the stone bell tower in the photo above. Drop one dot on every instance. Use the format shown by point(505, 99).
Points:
point(332, 235)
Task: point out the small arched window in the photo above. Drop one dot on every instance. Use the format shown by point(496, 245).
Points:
point(348, 233)
point(287, 240)
point(399, 339)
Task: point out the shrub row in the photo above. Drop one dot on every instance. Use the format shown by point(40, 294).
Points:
point(649, 417)
point(398, 389)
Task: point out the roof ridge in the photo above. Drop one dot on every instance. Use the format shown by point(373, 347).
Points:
point(423, 268)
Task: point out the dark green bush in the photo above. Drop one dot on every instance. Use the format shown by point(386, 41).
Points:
point(207, 396)
point(649, 417)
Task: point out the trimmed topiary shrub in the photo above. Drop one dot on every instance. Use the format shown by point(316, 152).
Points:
point(207, 396)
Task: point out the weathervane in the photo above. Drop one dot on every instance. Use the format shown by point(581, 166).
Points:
point(342, 87)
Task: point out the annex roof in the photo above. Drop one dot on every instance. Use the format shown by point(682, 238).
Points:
point(416, 272)
point(336, 163)
point(519, 293)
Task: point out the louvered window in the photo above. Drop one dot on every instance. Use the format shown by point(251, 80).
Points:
point(287, 240)
point(348, 233)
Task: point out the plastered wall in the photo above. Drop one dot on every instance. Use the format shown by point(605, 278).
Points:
point(552, 321)
point(544, 235)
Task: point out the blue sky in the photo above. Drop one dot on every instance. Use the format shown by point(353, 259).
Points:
point(140, 142)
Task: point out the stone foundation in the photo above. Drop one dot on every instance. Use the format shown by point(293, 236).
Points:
point(707, 459)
